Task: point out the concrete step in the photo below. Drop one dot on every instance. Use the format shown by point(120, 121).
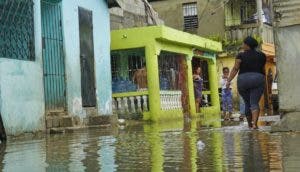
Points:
point(56, 113)
point(102, 120)
point(90, 111)
point(59, 121)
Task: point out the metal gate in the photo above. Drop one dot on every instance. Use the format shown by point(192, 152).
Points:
point(53, 57)
point(88, 91)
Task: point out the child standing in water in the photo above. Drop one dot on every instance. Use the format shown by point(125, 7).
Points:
point(226, 95)
point(198, 82)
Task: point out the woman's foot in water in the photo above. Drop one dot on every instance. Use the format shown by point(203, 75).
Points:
point(255, 115)
point(249, 120)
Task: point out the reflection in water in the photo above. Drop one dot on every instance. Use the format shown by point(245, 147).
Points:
point(155, 147)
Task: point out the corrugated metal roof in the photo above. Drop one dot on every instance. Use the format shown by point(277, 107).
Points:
point(286, 12)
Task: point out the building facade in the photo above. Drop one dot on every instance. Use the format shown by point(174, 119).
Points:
point(194, 16)
point(133, 13)
point(226, 21)
point(54, 67)
point(153, 75)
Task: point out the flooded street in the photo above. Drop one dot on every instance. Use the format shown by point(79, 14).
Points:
point(154, 147)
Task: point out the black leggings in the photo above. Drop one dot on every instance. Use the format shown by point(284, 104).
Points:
point(251, 87)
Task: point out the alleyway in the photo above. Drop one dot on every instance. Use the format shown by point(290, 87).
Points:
point(144, 147)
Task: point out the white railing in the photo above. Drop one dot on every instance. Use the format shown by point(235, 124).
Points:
point(170, 100)
point(130, 104)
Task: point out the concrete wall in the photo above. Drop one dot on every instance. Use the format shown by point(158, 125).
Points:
point(287, 53)
point(101, 34)
point(131, 14)
point(21, 88)
point(288, 50)
point(210, 15)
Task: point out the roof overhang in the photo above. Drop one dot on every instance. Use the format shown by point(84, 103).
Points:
point(163, 36)
point(268, 49)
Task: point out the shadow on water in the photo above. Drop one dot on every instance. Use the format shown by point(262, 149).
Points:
point(169, 146)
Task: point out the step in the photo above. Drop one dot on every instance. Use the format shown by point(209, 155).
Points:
point(90, 111)
point(59, 121)
point(56, 113)
point(102, 120)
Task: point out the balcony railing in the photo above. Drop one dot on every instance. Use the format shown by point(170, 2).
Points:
point(130, 102)
point(170, 100)
point(234, 33)
point(237, 33)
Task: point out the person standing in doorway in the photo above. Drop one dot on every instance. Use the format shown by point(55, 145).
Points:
point(250, 67)
point(227, 107)
point(198, 84)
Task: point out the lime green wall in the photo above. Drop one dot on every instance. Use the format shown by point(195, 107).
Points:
point(160, 38)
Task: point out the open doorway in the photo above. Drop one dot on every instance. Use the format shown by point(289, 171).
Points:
point(203, 64)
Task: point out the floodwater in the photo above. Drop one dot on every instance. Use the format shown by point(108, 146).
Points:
point(168, 146)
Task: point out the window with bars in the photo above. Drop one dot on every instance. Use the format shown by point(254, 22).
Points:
point(128, 69)
point(248, 12)
point(17, 29)
point(171, 67)
point(190, 15)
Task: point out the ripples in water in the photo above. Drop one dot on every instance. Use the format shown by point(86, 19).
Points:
point(156, 147)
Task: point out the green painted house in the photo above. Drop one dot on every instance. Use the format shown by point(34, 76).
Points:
point(152, 73)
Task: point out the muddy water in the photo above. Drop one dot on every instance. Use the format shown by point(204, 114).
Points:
point(155, 147)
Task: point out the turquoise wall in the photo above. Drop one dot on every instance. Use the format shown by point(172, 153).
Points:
point(21, 88)
point(101, 29)
point(21, 82)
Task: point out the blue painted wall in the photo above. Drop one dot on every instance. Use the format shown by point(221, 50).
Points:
point(21, 82)
point(21, 88)
point(101, 32)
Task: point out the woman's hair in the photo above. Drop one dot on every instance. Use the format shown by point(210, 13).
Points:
point(251, 42)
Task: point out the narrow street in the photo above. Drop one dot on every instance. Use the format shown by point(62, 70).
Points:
point(145, 147)
point(149, 85)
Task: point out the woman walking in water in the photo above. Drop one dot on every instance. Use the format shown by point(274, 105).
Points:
point(198, 83)
point(250, 66)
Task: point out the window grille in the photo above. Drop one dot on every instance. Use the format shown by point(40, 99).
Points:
point(248, 12)
point(190, 15)
point(17, 29)
point(169, 70)
point(128, 70)
point(173, 81)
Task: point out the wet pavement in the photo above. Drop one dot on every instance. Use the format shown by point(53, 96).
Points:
point(172, 146)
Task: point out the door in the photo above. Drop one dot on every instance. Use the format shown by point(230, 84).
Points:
point(53, 57)
point(87, 58)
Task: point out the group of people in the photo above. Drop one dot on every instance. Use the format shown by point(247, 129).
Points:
point(250, 68)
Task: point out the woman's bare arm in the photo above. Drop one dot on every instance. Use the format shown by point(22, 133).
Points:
point(234, 71)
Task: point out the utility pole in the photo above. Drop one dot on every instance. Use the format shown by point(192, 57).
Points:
point(259, 16)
